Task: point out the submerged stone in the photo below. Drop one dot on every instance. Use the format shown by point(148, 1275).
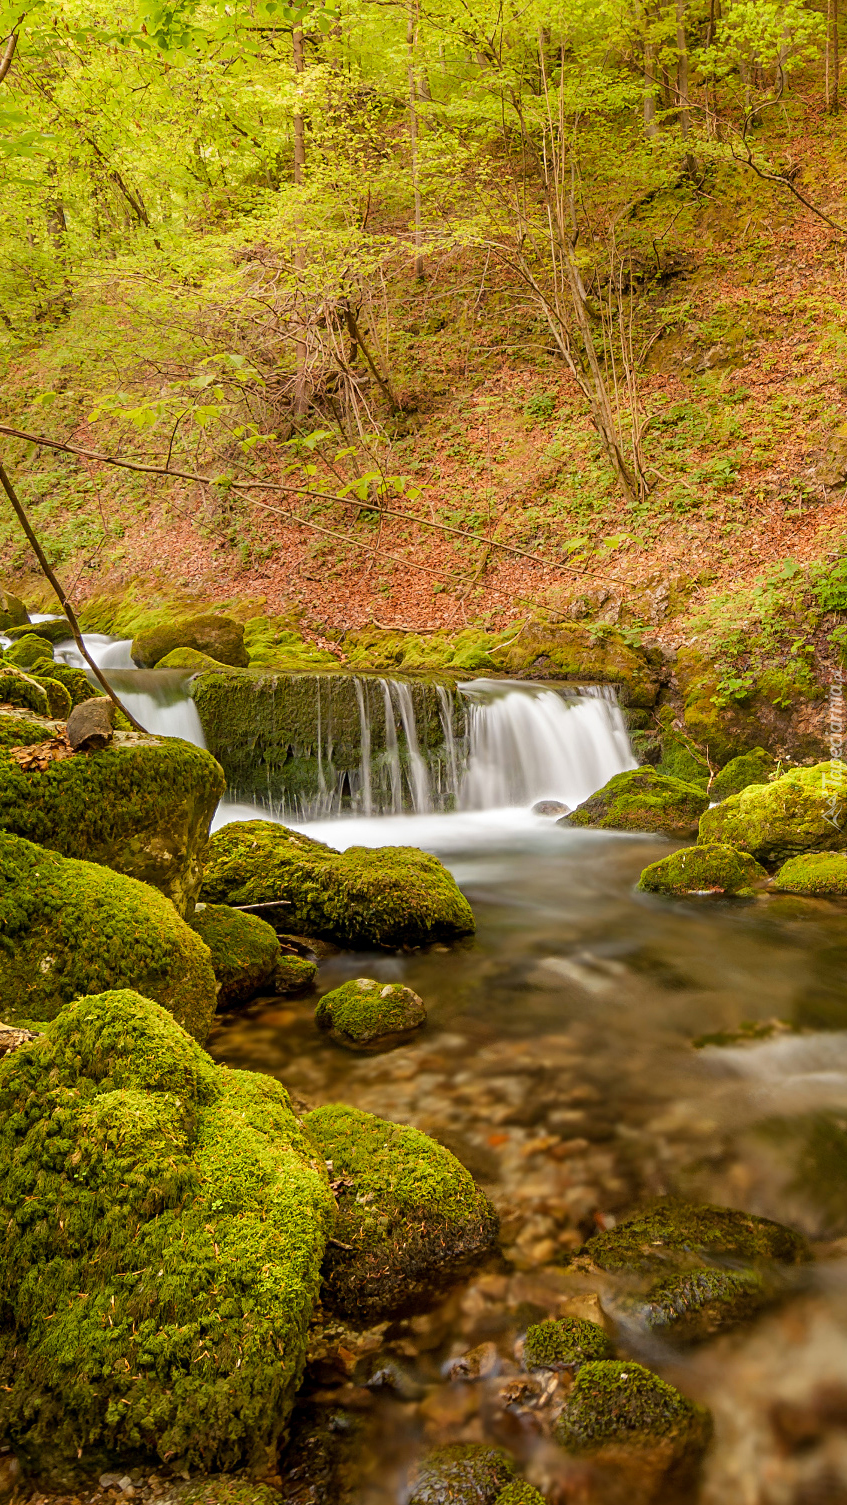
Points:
point(565, 1343)
point(364, 1012)
point(141, 806)
point(220, 637)
point(410, 1218)
point(668, 1232)
point(642, 800)
point(754, 767)
point(615, 1401)
point(163, 1222)
point(813, 873)
point(70, 927)
point(384, 896)
point(462, 1473)
point(804, 811)
point(246, 955)
point(695, 1304)
point(708, 869)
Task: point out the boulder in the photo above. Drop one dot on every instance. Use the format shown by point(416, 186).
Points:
point(20, 689)
point(550, 807)
point(163, 1222)
point(246, 955)
point(91, 725)
point(365, 1013)
point(804, 811)
point(220, 637)
point(13, 613)
point(141, 806)
point(364, 897)
point(189, 658)
point(813, 873)
point(75, 681)
point(694, 1304)
point(642, 800)
point(70, 927)
point(461, 1473)
point(708, 869)
point(754, 767)
point(54, 630)
point(566, 1343)
point(29, 650)
point(410, 1219)
point(670, 1232)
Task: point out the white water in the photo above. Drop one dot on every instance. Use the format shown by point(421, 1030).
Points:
point(156, 697)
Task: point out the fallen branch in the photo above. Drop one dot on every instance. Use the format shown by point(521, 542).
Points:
point(65, 604)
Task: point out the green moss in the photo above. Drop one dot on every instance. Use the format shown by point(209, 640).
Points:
point(748, 1032)
point(163, 1222)
point(668, 1231)
point(565, 1343)
point(272, 643)
point(520, 1493)
point(294, 974)
point(188, 658)
point(25, 730)
point(245, 951)
point(362, 1011)
point(803, 811)
point(462, 1473)
point(410, 1218)
point(220, 637)
point(13, 610)
point(695, 1304)
point(220, 1491)
point(17, 688)
point(642, 800)
point(680, 758)
point(75, 681)
point(387, 896)
point(712, 869)
point(813, 873)
point(751, 768)
point(70, 927)
point(141, 806)
point(616, 1401)
point(57, 630)
point(28, 650)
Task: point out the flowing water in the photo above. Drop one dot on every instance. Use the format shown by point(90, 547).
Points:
point(558, 1064)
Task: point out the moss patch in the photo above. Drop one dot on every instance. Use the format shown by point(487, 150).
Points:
point(363, 1011)
point(222, 1490)
point(17, 688)
point(616, 1401)
point(712, 869)
point(387, 896)
point(668, 1232)
point(188, 658)
point(56, 630)
point(163, 1222)
point(813, 873)
point(69, 927)
point(220, 637)
point(245, 951)
point(642, 800)
point(751, 768)
point(141, 806)
point(467, 1473)
point(24, 729)
point(804, 811)
point(75, 681)
point(29, 650)
point(520, 1493)
point(408, 1212)
point(565, 1343)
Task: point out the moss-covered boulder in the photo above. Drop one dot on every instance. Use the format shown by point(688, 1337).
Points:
point(565, 1343)
point(221, 638)
point(410, 1219)
point(364, 1013)
point(462, 1473)
point(384, 896)
point(668, 1233)
point(695, 1304)
point(70, 927)
point(520, 1493)
point(708, 869)
point(141, 806)
point(54, 630)
point(618, 1407)
point(813, 873)
point(13, 612)
point(161, 1232)
point(20, 689)
point(754, 767)
point(189, 658)
point(29, 650)
point(246, 955)
point(804, 811)
point(642, 800)
point(75, 681)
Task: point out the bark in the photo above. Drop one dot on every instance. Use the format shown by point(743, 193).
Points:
point(301, 397)
point(8, 54)
point(411, 40)
point(832, 58)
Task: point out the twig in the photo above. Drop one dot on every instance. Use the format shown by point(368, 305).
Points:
point(63, 600)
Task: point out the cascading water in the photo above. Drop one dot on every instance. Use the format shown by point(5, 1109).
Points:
point(157, 698)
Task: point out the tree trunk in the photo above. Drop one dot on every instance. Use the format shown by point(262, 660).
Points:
point(832, 58)
point(301, 401)
point(411, 40)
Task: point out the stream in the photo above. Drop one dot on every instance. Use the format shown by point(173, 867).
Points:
point(558, 1065)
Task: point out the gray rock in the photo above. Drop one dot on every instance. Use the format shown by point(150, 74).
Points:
point(551, 807)
point(91, 725)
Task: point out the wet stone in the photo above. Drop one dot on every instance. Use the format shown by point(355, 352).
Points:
point(565, 1344)
point(461, 1474)
point(365, 1014)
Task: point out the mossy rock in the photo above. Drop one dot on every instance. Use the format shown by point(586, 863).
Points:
point(29, 650)
point(615, 1401)
point(20, 689)
point(642, 800)
point(56, 630)
point(246, 955)
point(813, 873)
point(188, 658)
point(221, 638)
point(565, 1343)
point(680, 759)
point(364, 897)
point(708, 869)
point(363, 1012)
point(750, 768)
point(520, 1493)
point(696, 1304)
point(75, 681)
point(141, 806)
point(410, 1218)
point(69, 927)
point(163, 1222)
point(804, 811)
point(219, 1490)
point(668, 1233)
point(59, 702)
point(13, 610)
point(461, 1473)
point(573, 651)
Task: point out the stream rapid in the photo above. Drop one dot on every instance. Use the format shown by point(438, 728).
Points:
point(558, 1065)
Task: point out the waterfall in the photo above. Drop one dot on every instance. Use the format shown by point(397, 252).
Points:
point(365, 761)
point(418, 771)
point(157, 698)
